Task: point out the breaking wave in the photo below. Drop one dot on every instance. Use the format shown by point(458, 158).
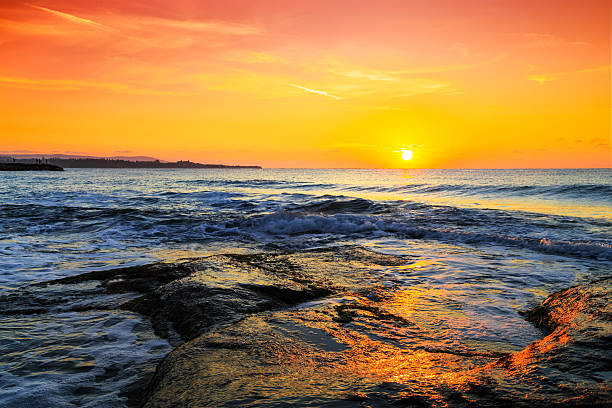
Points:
point(292, 224)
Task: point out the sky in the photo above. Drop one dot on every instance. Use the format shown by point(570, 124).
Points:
point(346, 83)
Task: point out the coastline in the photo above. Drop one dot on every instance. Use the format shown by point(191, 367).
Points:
point(315, 328)
point(29, 167)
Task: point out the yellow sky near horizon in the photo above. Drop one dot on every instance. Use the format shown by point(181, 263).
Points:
point(475, 84)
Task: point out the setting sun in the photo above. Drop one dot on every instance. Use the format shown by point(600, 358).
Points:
point(407, 154)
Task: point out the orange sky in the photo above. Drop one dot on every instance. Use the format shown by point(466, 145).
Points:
point(487, 83)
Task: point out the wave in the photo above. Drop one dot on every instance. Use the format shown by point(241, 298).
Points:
point(254, 183)
point(293, 224)
point(329, 204)
point(228, 216)
point(601, 192)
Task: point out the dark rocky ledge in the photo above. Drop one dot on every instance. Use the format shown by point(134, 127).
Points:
point(29, 167)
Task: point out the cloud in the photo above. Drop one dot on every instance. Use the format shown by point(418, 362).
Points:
point(542, 78)
point(397, 75)
point(219, 27)
point(449, 67)
point(545, 40)
point(74, 85)
point(464, 51)
point(132, 31)
point(254, 57)
point(324, 93)
point(69, 17)
point(364, 74)
point(596, 69)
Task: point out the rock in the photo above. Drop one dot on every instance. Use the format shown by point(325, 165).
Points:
point(317, 356)
point(224, 288)
point(248, 344)
point(187, 298)
point(572, 364)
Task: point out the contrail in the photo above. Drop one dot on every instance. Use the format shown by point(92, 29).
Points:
point(68, 17)
point(317, 92)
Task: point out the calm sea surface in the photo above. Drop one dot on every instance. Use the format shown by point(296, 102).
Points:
point(492, 241)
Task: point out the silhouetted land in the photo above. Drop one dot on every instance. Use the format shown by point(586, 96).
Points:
point(116, 164)
point(29, 167)
point(125, 164)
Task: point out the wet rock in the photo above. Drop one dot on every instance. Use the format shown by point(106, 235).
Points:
point(224, 288)
point(572, 364)
point(315, 356)
point(97, 290)
point(301, 357)
point(247, 343)
point(348, 311)
point(141, 278)
point(185, 299)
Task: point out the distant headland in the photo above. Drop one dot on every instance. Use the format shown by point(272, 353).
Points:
point(29, 167)
point(59, 162)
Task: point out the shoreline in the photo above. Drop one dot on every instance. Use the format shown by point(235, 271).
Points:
point(294, 319)
point(29, 167)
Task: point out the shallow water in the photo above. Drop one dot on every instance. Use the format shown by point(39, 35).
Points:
point(483, 245)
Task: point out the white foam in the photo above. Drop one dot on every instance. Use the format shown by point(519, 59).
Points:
point(292, 224)
point(67, 351)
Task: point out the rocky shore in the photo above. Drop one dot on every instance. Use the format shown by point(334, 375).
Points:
point(318, 328)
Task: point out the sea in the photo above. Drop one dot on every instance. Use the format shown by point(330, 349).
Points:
point(492, 243)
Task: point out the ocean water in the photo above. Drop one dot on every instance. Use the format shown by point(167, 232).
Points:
point(494, 242)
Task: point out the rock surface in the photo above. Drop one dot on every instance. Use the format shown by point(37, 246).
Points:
point(319, 328)
point(224, 288)
point(342, 354)
point(572, 365)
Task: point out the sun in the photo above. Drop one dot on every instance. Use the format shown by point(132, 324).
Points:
point(407, 154)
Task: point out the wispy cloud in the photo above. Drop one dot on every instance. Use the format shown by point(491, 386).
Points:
point(596, 69)
point(69, 17)
point(464, 51)
point(547, 40)
point(542, 78)
point(394, 75)
point(365, 74)
point(324, 93)
point(548, 77)
point(151, 27)
point(219, 27)
point(254, 57)
point(73, 85)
